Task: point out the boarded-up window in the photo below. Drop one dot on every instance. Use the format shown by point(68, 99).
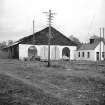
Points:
point(55, 53)
point(44, 52)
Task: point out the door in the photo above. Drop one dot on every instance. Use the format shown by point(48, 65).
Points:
point(97, 56)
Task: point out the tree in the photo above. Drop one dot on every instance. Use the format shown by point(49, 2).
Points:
point(10, 42)
point(75, 39)
point(3, 44)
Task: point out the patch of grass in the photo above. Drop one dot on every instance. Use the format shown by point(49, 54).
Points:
point(83, 89)
point(81, 84)
point(15, 92)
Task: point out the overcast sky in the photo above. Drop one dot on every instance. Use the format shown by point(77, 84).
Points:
point(81, 18)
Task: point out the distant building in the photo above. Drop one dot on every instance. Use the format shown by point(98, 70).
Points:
point(94, 50)
point(37, 45)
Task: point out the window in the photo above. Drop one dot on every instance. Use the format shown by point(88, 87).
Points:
point(97, 53)
point(103, 54)
point(88, 54)
point(78, 54)
point(83, 54)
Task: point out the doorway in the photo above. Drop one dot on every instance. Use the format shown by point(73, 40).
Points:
point(32, 51)
point(66, 53)
point(97, 56)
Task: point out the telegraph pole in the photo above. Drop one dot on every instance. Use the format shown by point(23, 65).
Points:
point(33, 32)
point(49, 38)
point(103, 45)
point(33, 26)
point(50, 16)
point(100, 44)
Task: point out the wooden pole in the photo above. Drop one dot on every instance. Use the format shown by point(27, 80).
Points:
point(33, 33)
point(103, 46)
point(100, 44)
point(50, 16)
point(55, 52)
point(49, 38)
point(33, 26)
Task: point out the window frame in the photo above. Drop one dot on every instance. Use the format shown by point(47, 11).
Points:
point(88, 54)
point(103, 54)
point(83, 54)
point(79, 54)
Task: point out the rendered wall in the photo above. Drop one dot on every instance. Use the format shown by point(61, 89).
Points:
point(97, 49)
point(42, 51)
point(91, 58)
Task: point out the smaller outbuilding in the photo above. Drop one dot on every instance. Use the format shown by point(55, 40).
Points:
point(93, 51)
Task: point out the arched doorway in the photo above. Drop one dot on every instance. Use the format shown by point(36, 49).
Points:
point(66, 53)
point(32, 51)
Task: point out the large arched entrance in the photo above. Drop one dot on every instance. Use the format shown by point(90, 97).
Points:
point(32, 51)
point(66, 52)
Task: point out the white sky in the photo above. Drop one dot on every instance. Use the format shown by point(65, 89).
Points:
point(81, 18)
